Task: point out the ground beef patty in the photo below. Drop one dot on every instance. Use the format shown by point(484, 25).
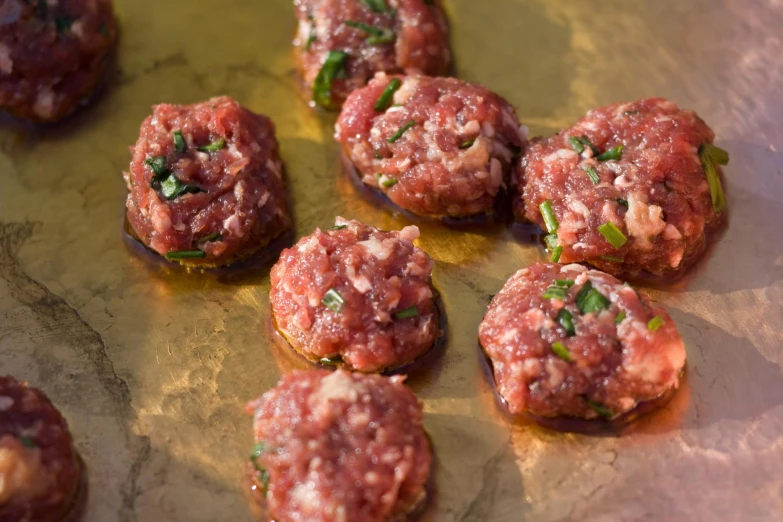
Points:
point(53, 55)
point(206, 183)
point(568, 341)
point(342, 43)
point(437, 147)
point(40, 471)
point(652, 197)
point(357, 296)
point(338, 447)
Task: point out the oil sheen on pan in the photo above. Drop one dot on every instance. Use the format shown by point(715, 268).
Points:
point(151, 364)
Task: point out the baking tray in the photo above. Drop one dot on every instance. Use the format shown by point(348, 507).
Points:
point(153, 366)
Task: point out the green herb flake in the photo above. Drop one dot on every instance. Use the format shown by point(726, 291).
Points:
point(376, 6)
point(655, 323)
point(186, 254)
point(311, 35)
point(594, 177)
point(158, 165)
point(376, 36)
point(63, 24)
point(172, 188)
point(613, 259)
point(566, 320)
point(590, 300)
point(332, 67)
point(711, 155)
point(467, 144)
point(389, 182)
point(27, 442)
point(339, 227)
point(556, 253)
point(611, 154)
point(622, 202)
point(613, 234)
point(180, 145)
point(215, 236)
point(333, 301)
point(413, 311)
point(620, 317)
point(581, 143)
point(549, 216)
point(402, 131)
point(561, 351)
point(599, 408)
point(331, 361)
point(387, 97)
point(263, 474)
point(551, 241)
point(214, 146)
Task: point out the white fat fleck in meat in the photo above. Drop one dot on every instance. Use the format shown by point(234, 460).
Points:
point(378, 249)
point(561, 154)
point(410, 233)
point(160, 217)
point(6, 63)
point(21, 473)
point(77, 28)
point(6, 403)
point(359, 282)
point(554, 374)
point(307, 498)
point(675, 258)
point(44, 103)
point(406, 90)
point(233, 226)
point(489, 130)
point(496, 172)
point(643, 221)
point(338, 386)
point(536, 319)
point(671, 233)
point(579, 208)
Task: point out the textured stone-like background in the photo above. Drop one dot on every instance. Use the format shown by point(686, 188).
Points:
point(152, 366)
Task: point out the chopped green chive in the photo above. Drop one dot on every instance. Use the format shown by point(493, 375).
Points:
point(339, 227)
point(27, 442)
point(331, 361)
point(558, 290)
point(556, 253)
point(561, 351)
point(215, 236)
point(613, 234)
point(158, 165)
point(564, 283)
point(551, 241)
point(376, 6)
point(377, 154)
point(622, 202)
point(387, 97)
point(402, 131)
point(594, 177)
point(186, 254)
point(257, 450)
point(711, 155)
point(263, 474)
point(179, 142)
point(590, 300)
point(613, 259)
point(413, 311)
point(377, 36)
point(333, 301)
point(389, 182)
point(655, 323)
point(611, 154)
point(599, 408)
point(214, 146)
point(620, 317)
point(311, 35)
point(580, 143)
point(549, 216)
point(332, 67)
point(63, 23)
point(467, 144)
point(172, 188)
point(566, 320)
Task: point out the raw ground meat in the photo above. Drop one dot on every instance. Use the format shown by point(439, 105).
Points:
point(40, 471)
point(235, 201)
point(53, 55)
point(388, 316)
point(415, 40)
point(339, 447)
point(455, 154)
point(657, 194)
point(624, 352)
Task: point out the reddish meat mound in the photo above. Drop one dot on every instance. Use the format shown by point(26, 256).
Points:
point(443, 149)
point(656, 194)
point(405, 36)
point(39, 468)
point(617, 348)
point(356, 295)
point(338, 447)
point(212, 194)
point(53, 55)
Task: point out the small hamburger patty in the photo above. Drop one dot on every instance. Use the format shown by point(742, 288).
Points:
point(339, 446)
point(568, 341)
point(627, 187)
point(39, 468)
point(341, 44)
point(437, 147)
point(53, 55)
point(206, 183)
point(357, 295)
